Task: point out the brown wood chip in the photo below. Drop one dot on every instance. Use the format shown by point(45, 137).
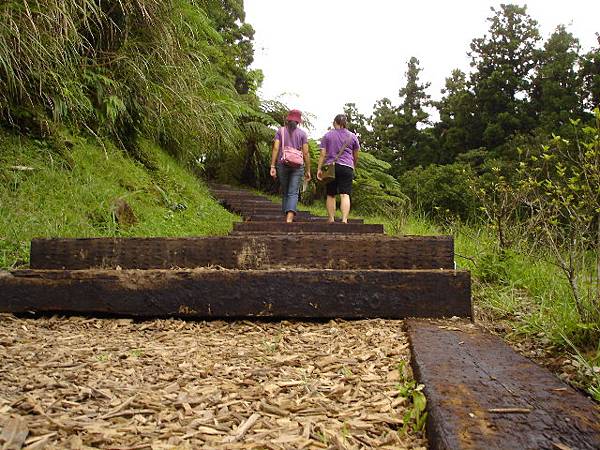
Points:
point(78, 383)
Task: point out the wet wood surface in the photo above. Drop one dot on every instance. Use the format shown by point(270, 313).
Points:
point(481, 394)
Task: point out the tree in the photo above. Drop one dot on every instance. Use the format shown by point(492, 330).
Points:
point(589, 75)
point(455, 131)
point(357, 123)
point(237, 53)
point(504, 61)
point(384, 141)
point(556, 87)
point(415, 144)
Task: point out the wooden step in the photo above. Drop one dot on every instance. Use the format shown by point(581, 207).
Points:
point(481, 394)
point(306, 227)
point(201, 293)
point(266, 210)
point(239, 196)
point(252, 202)
point(300, 218)
point(241, 252)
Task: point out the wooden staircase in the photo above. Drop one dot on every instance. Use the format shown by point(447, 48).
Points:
point(264, 268)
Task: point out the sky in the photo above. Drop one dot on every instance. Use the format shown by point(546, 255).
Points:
point(317, 55)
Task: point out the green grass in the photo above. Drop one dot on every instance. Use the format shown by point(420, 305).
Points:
point(523, 288)
point(71, 193)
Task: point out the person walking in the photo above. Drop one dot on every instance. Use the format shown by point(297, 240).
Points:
point(341, 147)
point(290, 159)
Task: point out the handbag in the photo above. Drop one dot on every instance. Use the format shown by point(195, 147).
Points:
point(290, 156)
point(328, 170)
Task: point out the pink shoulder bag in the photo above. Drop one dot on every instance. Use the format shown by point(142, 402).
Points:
point(290, 156)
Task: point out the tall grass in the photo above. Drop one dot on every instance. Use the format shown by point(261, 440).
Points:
point(114, 67)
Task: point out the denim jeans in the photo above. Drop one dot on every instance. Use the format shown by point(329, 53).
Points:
point(289, 179)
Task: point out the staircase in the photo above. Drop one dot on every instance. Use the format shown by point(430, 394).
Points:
point(264, 268)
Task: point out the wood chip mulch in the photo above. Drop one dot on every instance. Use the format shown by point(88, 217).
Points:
point(80, 383)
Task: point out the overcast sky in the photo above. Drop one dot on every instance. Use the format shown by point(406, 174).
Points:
point(317, 55)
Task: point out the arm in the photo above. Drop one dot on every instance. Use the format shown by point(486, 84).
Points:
point(274, 153)
point(320, 163)
point(306, 154)
point(355, 149)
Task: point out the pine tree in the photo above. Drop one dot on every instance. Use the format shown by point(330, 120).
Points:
point(589, 75)
point(415, 144)
point(504, 61)
point(556, 88)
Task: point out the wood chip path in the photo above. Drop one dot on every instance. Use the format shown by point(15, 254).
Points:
point(81, 383)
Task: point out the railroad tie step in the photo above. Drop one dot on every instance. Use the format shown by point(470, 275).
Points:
point(266, 211)
point(481, 394)
point(307, 227)
point(207, 294)
point(301, 218)
point(246, 252)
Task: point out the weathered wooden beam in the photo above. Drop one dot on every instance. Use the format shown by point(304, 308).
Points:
point(307, 227)
point(280, 218)
point(246, 252)
point(201, 293)
point(481, 394)
point(249, 201)
point(265, 210)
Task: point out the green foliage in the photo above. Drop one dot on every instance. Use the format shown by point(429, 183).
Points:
point(415, 416)
point(72, 194)
point(589, 74)
point(556, 87)
point(563, 199)
point(441, 191)
point(169, 70)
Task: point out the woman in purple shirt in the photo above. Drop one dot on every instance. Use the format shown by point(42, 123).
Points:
point(331, 144)
point(290, 177)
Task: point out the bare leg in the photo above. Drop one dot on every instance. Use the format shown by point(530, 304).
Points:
point(345, 207)
point(330, 208)
point(289, 218)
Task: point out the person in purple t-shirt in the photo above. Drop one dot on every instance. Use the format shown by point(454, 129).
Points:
point(290, 177)
point(331, 144)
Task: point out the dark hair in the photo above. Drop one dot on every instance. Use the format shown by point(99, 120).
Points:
point(341, 120)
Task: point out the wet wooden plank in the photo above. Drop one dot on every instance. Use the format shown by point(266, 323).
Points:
point(318, 294)
point(244, 252)
point(482, 394)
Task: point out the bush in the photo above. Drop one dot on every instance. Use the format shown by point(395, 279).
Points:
point(441, 191)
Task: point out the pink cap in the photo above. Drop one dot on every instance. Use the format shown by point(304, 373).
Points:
point(294, 115)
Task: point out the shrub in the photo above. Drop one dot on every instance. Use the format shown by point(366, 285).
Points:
point(441, 191)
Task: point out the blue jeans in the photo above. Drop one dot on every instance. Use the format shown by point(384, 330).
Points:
point(289, 179)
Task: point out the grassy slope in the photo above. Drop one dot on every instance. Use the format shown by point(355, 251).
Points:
point(72, 195)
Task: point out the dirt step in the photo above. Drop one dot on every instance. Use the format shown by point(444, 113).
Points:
point(243, 252)
point(482, 395)
point(202, 293)
point(306, 227)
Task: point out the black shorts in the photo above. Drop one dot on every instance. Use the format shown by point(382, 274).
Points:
point(343, 181)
